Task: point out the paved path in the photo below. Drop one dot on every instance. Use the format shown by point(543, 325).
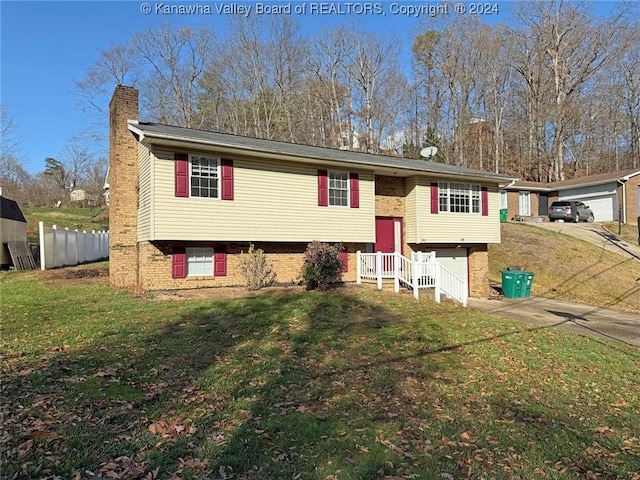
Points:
point(593, 233)
point(583, 319)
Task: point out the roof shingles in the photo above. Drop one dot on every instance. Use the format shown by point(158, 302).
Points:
point(166, 132)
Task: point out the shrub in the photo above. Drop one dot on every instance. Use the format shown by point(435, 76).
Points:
point(255, 270)
point(322, 265)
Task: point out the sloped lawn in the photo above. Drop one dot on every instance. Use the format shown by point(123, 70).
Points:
point(567, 268)
point(349, 384)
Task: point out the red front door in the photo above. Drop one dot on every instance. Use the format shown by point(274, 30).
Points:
point(385, 239)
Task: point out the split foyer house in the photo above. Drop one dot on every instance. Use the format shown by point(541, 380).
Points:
point(184, 203)
point(611, 196)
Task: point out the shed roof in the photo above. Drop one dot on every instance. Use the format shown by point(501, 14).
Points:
point(10, 210)
point(156, 133)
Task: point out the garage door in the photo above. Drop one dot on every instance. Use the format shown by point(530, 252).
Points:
point(604, 208)
point(454, 259)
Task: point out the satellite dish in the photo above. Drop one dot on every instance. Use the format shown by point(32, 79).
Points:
point(429, 152)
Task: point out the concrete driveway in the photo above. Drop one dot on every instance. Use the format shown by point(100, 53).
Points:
point(593, 233)
point(583, 319)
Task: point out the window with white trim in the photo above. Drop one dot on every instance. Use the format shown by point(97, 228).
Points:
point(199, 261)
point(338, 189)
point(524, 204)
point(459, 197)
point(205, 177)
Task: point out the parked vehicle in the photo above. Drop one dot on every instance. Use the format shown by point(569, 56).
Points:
point(570, 211)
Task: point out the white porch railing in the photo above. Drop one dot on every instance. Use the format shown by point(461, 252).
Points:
point(451, 285)
point(421, 271)
point(59, 247)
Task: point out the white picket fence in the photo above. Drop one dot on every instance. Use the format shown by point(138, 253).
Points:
point(421, 271)
point(60, 247)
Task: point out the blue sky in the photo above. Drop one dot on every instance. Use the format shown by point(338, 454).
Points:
point(47, 45)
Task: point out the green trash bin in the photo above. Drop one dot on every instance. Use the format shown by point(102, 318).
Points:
point(512, 283)
point(527, 281)
point(503, 215)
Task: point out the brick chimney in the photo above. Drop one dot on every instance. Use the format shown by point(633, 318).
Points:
point(123, 189)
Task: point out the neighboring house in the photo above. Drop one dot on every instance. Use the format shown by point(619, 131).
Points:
point(13, 227)
point(78, 195)
point(105, 188)
point(607, 195)
point(185, 203)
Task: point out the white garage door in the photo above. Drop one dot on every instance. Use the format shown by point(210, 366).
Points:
point(604, 208)
point(454, 259)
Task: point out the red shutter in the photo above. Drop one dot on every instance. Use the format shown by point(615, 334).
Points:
point(227, 179)
point(344, 258)
point(485, 201)
point(355, 190)
point(220, 262)
point(435, 198)
point(179, 264)
point(323, 188)
point(181, 174)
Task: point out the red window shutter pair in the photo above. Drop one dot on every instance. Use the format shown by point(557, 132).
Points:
point(220, 262)
point(323, 189)
point(484, 199)
point(435, 200)
point(179, 263)
point(182, 176)
point(227, 179)
point(344, 258)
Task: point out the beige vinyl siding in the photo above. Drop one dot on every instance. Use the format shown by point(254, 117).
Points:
point(145, 185)
point(273, 201)
point(411, 216)
point(447, 227)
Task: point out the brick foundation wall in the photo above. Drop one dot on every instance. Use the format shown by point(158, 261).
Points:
point(123, 182)
point(286, 259)
point(478, 270)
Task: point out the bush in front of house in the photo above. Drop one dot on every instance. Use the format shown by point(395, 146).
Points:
point(322, 265)
point(254, 268)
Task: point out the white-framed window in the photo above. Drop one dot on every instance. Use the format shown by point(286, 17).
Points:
point(524, 204)
point(338, 189)
point(459, 197)
point(199, 261)
point(503, 199)
point(205, 177)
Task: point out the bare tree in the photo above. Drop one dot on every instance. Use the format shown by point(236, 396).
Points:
point(115, 66)
point(176, 59)
point(575, 47)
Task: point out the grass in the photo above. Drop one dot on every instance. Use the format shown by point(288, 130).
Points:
point(628, 233)
point(350, 384)
point(567, 268)
point(72, 218)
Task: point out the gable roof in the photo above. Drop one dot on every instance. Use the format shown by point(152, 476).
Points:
point(588, 181)
point(164, 134)
point(10, 210)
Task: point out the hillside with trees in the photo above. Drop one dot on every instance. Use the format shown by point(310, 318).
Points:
point(550, 94)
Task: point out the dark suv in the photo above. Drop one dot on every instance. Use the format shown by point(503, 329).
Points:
point(570, 211)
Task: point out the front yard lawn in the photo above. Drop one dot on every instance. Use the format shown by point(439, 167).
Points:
point(349, 384)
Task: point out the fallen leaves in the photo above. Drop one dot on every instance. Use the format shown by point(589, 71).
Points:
point(170, 429)
point(125, 467)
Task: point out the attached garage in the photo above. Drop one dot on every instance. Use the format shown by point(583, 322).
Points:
point(601, 199)
point(454, 259)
